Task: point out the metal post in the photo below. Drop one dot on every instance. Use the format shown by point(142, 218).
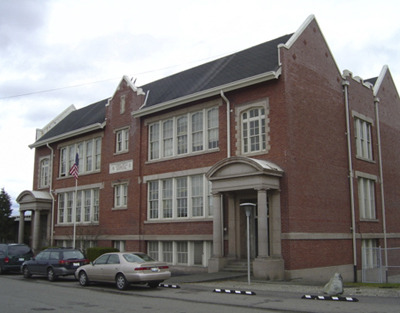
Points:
point(248, 207)
point(248, 248)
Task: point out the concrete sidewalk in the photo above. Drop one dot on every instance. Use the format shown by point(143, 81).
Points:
point(239, 281)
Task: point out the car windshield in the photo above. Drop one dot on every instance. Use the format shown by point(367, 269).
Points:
point(73, 254)
point(18, 250)
point(137, 257)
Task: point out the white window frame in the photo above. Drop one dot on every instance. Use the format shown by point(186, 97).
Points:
point(366, 196)
point(122, 140)
point(254, 139)
point(185, 196)
point(44, 176)
point(190, 133)
point(89, 157)
point(121, 195)
point(180, 252)
point(87, 206)
point(363, 136)
point(369, 256)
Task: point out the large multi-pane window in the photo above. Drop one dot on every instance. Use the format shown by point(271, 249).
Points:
point(70, 203)
point(167, 198)
point(87, 206)
point(152, 249)
point(44, 176)
point(362, 130)
point(180, 197)
point(253, 130)
point(366, 198)
point(188, 133)
point(167, 251)
point(89, 152)
point(181, 252)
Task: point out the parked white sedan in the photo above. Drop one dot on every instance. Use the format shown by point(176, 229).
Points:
point(124, 268)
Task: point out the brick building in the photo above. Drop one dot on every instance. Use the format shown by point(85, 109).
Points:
point(166, 167)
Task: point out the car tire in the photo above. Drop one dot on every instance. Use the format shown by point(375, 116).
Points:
point(26, 272)
point(121, 282)
point(154, 284)
point(51, 276)
point(83, 278)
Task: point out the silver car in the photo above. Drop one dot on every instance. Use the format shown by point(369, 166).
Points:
point(124, 268)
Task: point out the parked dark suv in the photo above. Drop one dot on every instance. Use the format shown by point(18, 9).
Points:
point(12, 255)
point(54, 262)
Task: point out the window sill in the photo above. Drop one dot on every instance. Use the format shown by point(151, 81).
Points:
point(365, 159)
point(121, 152)
point(369, 220)
point(180, 156)
point(182, 220)
point(78, 224)
point(119, 208)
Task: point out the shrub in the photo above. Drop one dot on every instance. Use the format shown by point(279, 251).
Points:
point(93, 253)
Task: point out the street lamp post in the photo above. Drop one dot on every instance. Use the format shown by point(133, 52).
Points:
point(248, 208)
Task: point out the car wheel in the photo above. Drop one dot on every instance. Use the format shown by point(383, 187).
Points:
point(154, 284)
point(26, 272)
point(121, 282)
point(83, 278)
point(50, 274)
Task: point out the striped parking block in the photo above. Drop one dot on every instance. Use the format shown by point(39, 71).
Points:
point(169, 286)
point(237, 292)
point(332, 298)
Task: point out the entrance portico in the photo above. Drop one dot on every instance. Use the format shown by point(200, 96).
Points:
point(40, 204)
point(238, 180)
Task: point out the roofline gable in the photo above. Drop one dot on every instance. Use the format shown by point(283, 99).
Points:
point(297, 34)
point(381, 77)
point(125, 78)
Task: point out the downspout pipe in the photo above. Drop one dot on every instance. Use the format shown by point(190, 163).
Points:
point(228, 124)
point(351, 176)
point(51, 194)
point(378, 131)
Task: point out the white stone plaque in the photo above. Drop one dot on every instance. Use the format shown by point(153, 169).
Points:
point(123, 166)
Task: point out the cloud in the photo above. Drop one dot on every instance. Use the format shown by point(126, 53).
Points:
point(19, 21)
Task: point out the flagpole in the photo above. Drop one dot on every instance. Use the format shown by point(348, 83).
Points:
point(74, 171)
point(74, 212)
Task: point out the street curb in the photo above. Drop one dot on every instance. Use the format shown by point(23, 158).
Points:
point(237, 292)
point(332, 298)
point(169, 286)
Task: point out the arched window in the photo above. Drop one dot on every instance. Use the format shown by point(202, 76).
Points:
point(44, 173)
point(253, 130)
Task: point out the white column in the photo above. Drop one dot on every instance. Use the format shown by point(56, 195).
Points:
point(275, 222)
point(36, 231)
point(21, 227)
point(262, 223)
point(217, 226)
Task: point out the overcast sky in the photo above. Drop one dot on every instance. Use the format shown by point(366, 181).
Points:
point(57, 53)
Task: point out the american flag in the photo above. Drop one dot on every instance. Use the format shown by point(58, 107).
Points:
point(74, 171)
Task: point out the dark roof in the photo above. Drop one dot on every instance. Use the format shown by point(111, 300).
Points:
point(253, 61)
point(89, 115)
point(372, 80)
